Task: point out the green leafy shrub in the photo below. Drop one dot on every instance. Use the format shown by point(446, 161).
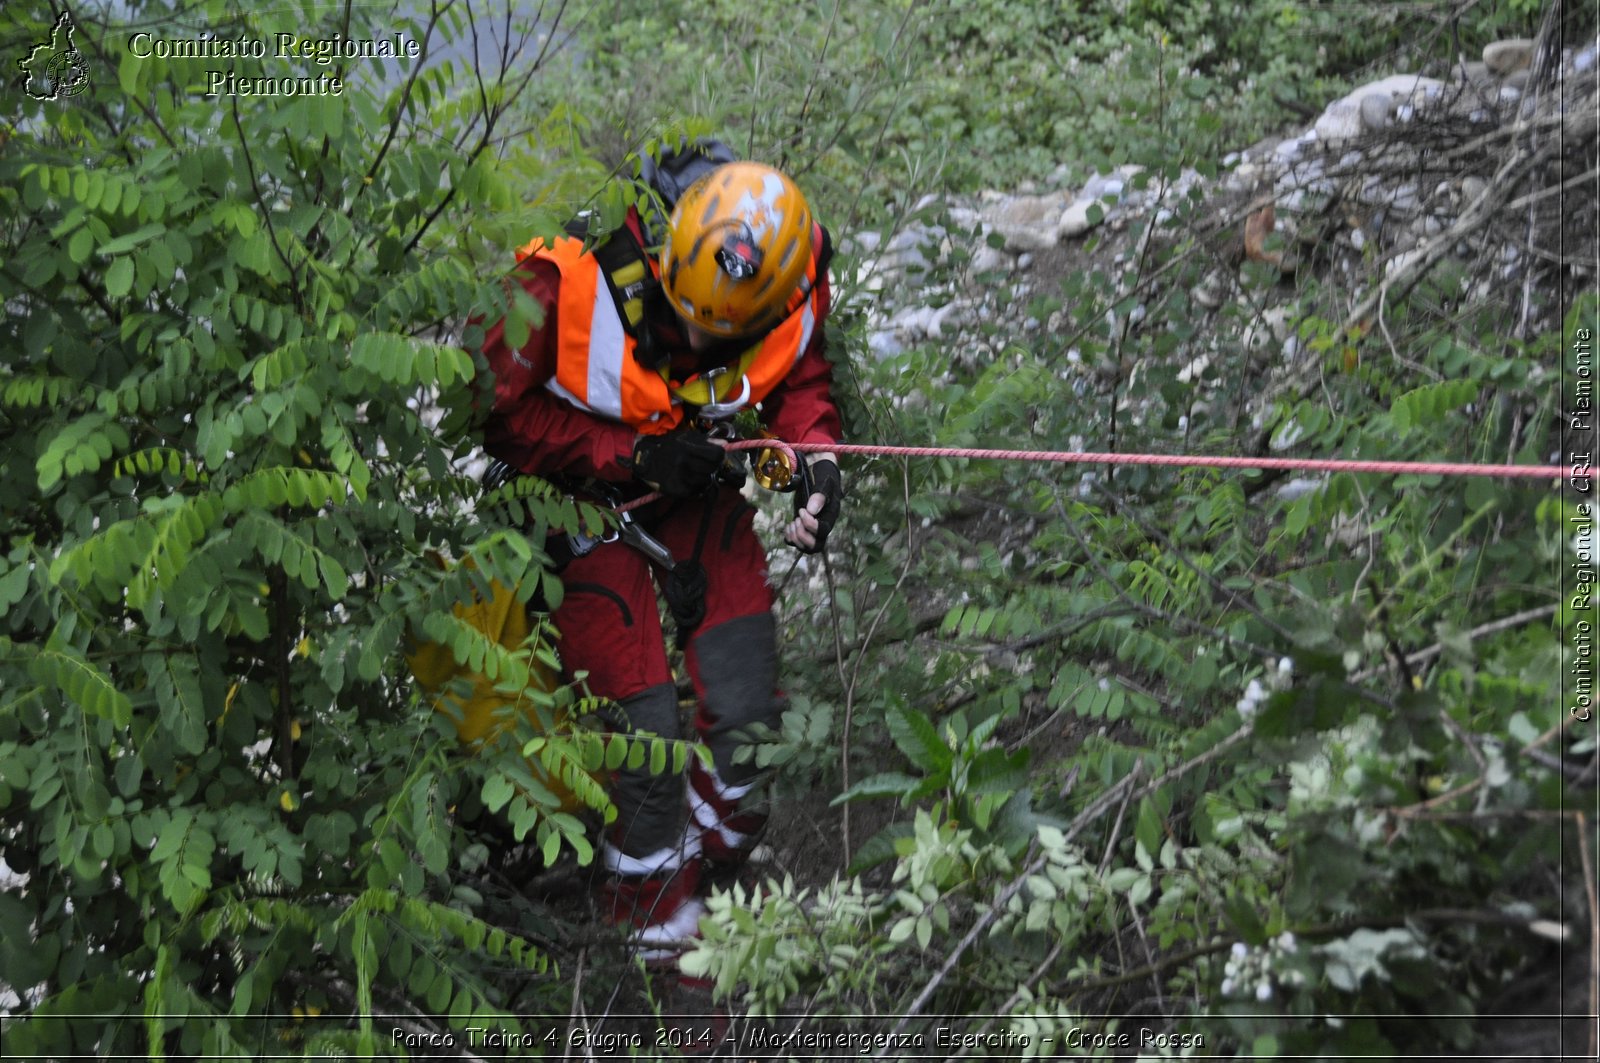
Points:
point(232, 416)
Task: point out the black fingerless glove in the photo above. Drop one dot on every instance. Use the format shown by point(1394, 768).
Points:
point(679, 464)
point(825, 480)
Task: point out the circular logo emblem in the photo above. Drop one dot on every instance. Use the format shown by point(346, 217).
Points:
point(67, 75)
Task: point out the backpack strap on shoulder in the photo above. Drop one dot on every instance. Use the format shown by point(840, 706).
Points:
point(678, 166)
point(825, 251)
point(635, 291)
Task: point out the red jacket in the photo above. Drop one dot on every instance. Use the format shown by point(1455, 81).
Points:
point(532, 429)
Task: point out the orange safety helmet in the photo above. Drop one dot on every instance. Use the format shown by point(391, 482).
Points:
point(738, 246)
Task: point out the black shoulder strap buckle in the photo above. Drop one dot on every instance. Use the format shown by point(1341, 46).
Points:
point(634, 290)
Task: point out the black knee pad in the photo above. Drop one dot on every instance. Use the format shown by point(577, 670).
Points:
point(649, 807)
point(738, 665)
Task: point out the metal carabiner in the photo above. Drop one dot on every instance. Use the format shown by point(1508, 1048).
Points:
point(715, 411)
point(629, 531)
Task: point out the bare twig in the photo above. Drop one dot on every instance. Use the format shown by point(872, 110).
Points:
point(1149, 956)
point(401, 105)
point(1216, 585)
point(1111, 839)
point(1424, 810)
point(1193, 626)
point(1573, 773)
point(1014, 999)
point(1559, 727)
point(1526, 616)
point(1097, 808)
point(861, 654)
point(577, 1015)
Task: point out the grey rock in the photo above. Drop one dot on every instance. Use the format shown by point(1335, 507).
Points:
point(966, 219)
point(1375, 111)
point(1243, 179)
point(1519, 80)
point(1345, 118)
point(1400, 262)
point(1473, 187)
point(1213, 291)
point(1075, 220)
point(1298, 488)
point(1412, 87)
point(987, 259)
point(1372, 191)
point(912, 237)
point(1505, 57)
point(1193, 371)
point(1584, 60)
point(1267, 331)
point(947, 317)
point(1340, 122)
point(864, 242)
point(913, 323)
point(1475, 74)
point(883, 344)
point(1026, 222)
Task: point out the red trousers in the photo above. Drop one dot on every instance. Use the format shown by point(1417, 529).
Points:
point(611, 633)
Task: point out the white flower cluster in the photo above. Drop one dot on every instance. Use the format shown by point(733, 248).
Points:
point(1256, 692)
point(1249, 971)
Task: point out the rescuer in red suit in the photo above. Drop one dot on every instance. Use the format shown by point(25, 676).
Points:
point(636, 356)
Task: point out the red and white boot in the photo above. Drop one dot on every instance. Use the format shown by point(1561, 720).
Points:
point(656, 896)
point(729, 832)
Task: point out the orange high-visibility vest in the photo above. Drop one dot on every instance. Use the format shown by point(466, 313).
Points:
point(595, 365)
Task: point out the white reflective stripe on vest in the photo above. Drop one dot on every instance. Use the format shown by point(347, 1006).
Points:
point(607, 349)
point(808, 322)
point(554, 386)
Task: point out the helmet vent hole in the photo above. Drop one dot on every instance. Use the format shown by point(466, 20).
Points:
point(711, 210)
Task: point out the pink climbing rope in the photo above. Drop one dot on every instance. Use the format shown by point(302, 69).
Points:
point(1090, 457)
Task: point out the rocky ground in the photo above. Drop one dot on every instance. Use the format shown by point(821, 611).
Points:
point(1490, 167)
